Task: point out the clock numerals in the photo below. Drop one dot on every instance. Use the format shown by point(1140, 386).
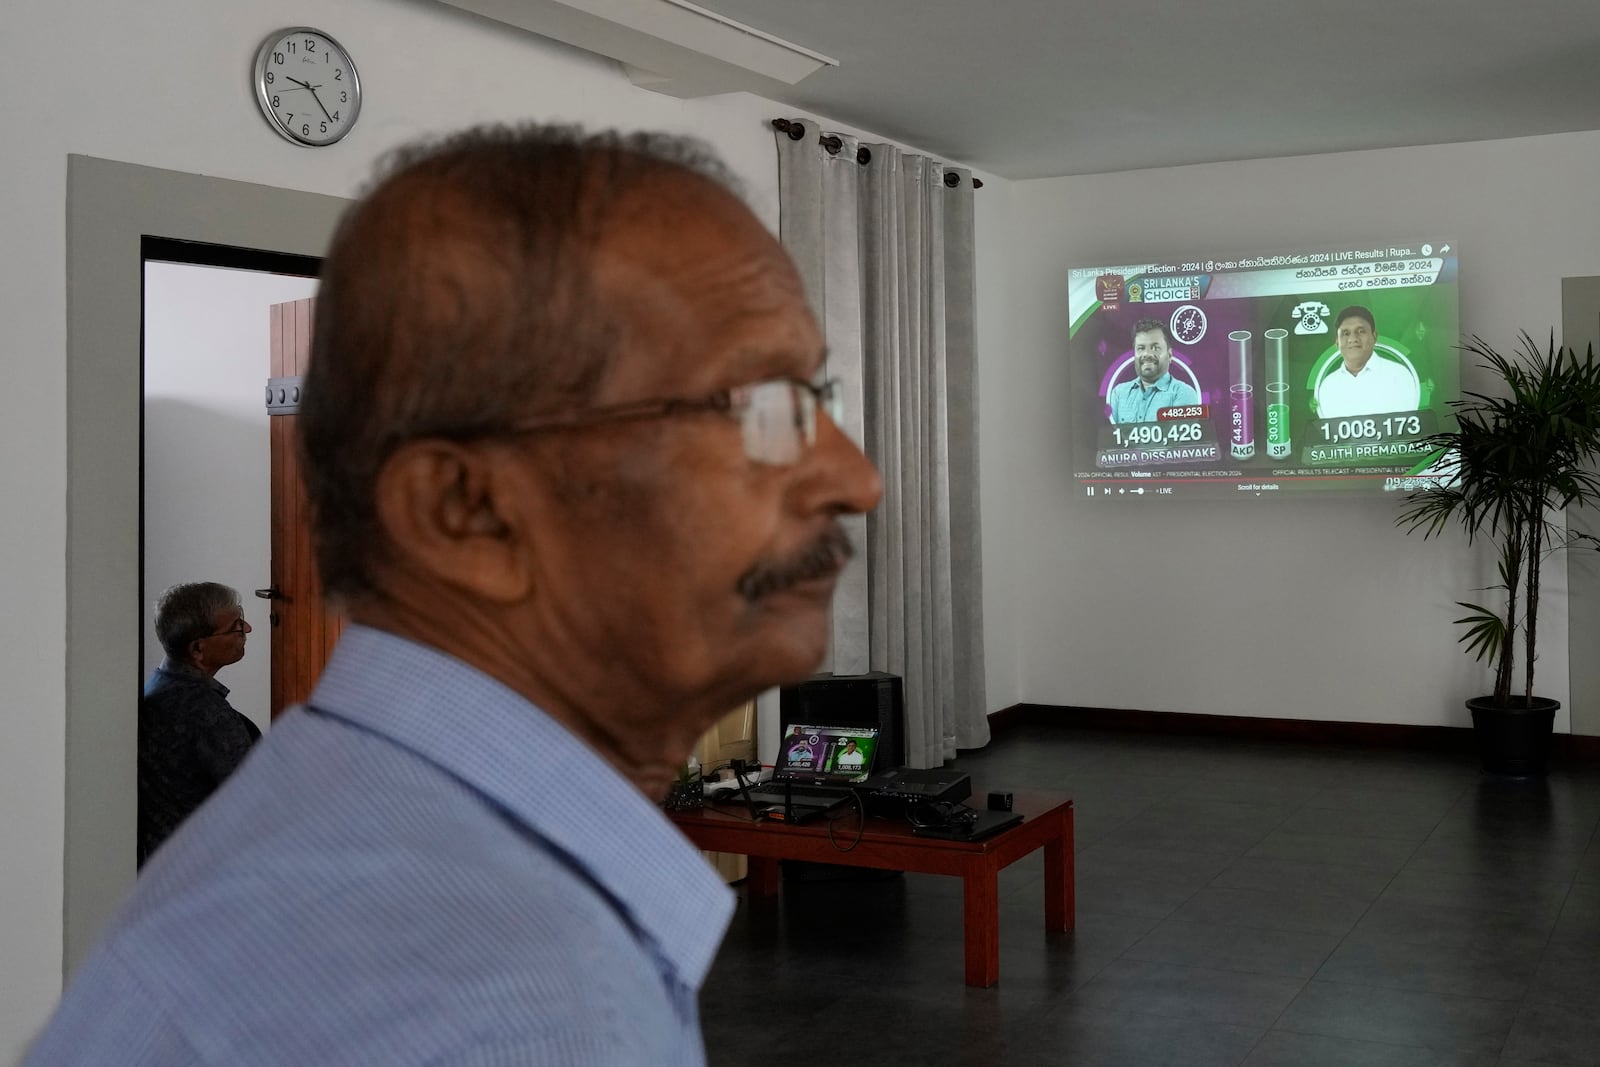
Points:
point(285, 77)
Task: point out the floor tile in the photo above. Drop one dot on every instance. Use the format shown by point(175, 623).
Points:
point(1465, 855)
point(1297, 876)
point(1388, 825)
point(1234, 948)
point(1552, 1033)
point(1508, 890)
point(1433, 802)
point(1399, 1017)
point(1311, 913)
point(1487, 968)
point(1155, 865)
point(1415, 923)
point(1566, 977)
point(1201, 993)
point(1375, 853)
point(1094, 1036)
point(1281, 1049)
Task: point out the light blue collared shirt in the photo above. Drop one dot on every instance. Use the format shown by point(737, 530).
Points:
point(1132, 402)
point(407, 872)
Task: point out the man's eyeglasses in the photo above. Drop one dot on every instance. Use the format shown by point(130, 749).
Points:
point(238, 627)
point(778, 416)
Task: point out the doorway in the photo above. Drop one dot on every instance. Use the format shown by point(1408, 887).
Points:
point(205, 506)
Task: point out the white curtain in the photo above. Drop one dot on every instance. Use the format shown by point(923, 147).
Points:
point(885, 247)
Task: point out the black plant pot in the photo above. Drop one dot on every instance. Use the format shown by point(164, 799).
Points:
point(1514, 740)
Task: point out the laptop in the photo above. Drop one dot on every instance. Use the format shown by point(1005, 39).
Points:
point(817, 765)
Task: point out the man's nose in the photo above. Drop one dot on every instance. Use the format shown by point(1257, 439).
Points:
point(841, 477)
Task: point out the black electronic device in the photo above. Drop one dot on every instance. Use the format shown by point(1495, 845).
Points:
point(981, 825)
point(875, 699)
point(912, 783)
point(890, 793)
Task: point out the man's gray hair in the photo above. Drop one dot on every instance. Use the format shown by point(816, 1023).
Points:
point(187, 612)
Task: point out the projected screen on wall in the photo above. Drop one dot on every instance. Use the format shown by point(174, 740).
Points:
point(1311, 371)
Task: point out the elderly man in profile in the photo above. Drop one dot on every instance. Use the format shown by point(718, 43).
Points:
point(575, 482)
point(190, 738)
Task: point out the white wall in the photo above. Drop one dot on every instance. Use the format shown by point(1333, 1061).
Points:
point(166, 83)
point(207, 510)
point(1313, 609)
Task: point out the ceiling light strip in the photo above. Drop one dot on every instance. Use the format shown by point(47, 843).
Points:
point(724, 20)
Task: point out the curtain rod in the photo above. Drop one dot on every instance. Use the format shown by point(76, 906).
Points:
point(833, 144)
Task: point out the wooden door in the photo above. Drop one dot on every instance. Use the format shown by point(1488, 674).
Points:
point(303, 630)
point(733, 737)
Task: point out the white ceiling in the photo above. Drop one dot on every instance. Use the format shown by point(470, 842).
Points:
point(1034, 88)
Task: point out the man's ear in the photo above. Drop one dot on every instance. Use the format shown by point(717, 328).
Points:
point(458, 512)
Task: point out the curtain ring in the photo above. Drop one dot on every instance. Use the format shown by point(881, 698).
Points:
point(951, 179)
point(832, 143)
point(795, 130)
point(863, 155)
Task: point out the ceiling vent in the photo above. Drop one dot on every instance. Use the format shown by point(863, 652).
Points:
point(667, 46)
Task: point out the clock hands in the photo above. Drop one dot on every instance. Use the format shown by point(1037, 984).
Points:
point(318, 99)
point(313, 90)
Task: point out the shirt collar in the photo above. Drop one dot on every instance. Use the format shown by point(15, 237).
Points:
point(190, 673)
point(542, 775)
point(1160, 385)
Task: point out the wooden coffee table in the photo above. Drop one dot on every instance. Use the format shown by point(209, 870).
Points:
point(889, 844)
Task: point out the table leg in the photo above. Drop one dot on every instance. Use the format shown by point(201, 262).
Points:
point(981, 925)
point(1060, 904)
point(762, 876)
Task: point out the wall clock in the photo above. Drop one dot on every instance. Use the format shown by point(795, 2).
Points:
point(307, 86)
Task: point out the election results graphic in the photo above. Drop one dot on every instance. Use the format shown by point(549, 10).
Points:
point(1306, 371)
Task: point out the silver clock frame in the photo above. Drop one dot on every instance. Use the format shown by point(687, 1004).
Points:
point(264, 95)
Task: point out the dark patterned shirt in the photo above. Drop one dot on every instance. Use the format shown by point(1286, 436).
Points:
point(190, 740)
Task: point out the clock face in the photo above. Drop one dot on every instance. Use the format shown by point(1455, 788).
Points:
point(307, 86)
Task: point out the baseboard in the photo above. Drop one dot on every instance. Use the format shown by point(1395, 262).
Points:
point(1576, 748)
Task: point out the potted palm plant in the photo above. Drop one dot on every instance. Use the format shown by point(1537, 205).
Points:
point(1515, 459)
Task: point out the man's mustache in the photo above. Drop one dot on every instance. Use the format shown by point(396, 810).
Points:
point(824, 557)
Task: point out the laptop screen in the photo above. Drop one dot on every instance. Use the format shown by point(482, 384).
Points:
point(831, 755)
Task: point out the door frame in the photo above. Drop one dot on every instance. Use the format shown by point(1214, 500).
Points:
point(1580, 327)
point(111, 206)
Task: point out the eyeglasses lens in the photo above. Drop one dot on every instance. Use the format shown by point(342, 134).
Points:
point(779, 421)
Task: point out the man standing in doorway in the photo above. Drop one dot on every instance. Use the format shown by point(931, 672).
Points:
point(190, 738)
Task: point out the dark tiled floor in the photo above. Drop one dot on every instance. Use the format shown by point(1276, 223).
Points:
point(1239, 902)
